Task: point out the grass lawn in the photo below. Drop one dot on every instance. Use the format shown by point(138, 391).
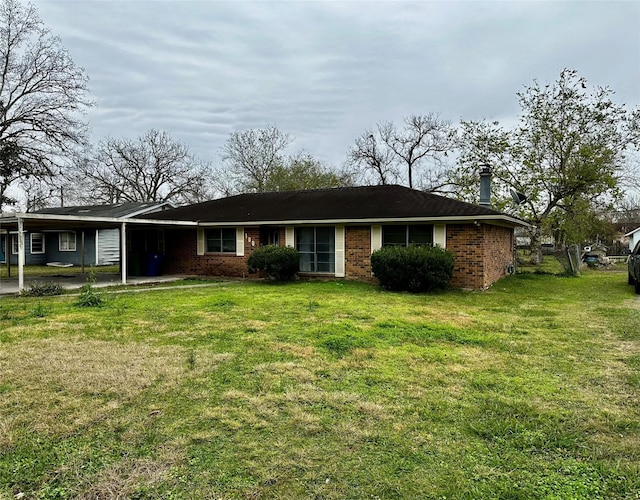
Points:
point(549, 264)
point(325, 390)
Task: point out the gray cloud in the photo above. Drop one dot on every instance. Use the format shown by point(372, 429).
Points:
point(326, 71)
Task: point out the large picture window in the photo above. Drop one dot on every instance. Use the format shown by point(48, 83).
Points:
point(404, 236)
point(317, 248)
point(67, 241)
point(37, 243)
point(221, 240)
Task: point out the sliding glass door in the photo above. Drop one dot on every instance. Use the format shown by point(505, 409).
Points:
point(317, 249)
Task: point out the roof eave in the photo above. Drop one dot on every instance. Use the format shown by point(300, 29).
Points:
point(146, 210)
point(13, 218)
point(504, 219)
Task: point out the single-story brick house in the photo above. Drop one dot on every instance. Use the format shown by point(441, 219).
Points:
point(336, 230)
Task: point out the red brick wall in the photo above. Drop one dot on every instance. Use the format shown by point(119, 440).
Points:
point(357, 252)
point(465, 241)
point(482, 253)
point(181, 255)
point(498, 242)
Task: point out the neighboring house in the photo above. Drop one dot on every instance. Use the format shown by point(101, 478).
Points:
point(4, 239)
point(336, 230)
point(634, 237)
point(81, 245)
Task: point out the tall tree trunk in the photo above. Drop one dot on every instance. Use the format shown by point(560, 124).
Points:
point(536, 245)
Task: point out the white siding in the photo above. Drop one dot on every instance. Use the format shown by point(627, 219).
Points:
point(107, 247)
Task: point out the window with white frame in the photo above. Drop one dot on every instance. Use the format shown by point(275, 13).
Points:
point(221, 240)
point(14, 244)
point(67, 241)
point(37, 243)
point(404, 236)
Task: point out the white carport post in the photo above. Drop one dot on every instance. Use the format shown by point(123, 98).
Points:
point(123, 252)
point(20, 254)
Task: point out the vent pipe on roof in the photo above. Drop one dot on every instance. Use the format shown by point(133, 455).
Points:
point(485, 186)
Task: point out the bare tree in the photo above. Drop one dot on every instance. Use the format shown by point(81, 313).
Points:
point(154, 167)
point(375, 159)
point(630, 177)
point(39, 193)
point(628, 209)
point(423, 138)
point(42, 94)
point(389, 151)
point(12, 167)
point(251, 156)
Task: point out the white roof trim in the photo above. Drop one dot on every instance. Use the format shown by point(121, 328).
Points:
point(632, 232)
point(88, 218)
point(499, 219)
point(446, 219)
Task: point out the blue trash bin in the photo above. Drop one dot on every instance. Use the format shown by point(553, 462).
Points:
point(153, 264)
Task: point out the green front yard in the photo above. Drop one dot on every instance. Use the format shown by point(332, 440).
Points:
point(325, 390)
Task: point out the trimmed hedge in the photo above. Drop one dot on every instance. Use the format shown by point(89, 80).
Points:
point(413, 269)
point(279, 263)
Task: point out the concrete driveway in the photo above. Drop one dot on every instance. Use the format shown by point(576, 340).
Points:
point(9, 286)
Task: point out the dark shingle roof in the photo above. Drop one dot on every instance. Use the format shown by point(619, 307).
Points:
point(353, 203)
point(114, 210)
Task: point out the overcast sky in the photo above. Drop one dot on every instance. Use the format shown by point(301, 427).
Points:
point(326, 71)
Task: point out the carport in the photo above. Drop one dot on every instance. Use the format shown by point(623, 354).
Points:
point(22, 223)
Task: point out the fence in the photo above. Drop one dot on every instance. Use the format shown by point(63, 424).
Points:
point(569, 259)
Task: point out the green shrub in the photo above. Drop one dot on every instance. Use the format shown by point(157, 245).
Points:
point(279, 263)
point(413, 269)
point(88, 295)
point(37, 289)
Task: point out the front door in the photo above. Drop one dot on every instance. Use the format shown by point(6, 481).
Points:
point(269, 236)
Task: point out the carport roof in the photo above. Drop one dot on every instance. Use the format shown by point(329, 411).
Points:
point(126, 209)
point(52, 222)
point(87, 217)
